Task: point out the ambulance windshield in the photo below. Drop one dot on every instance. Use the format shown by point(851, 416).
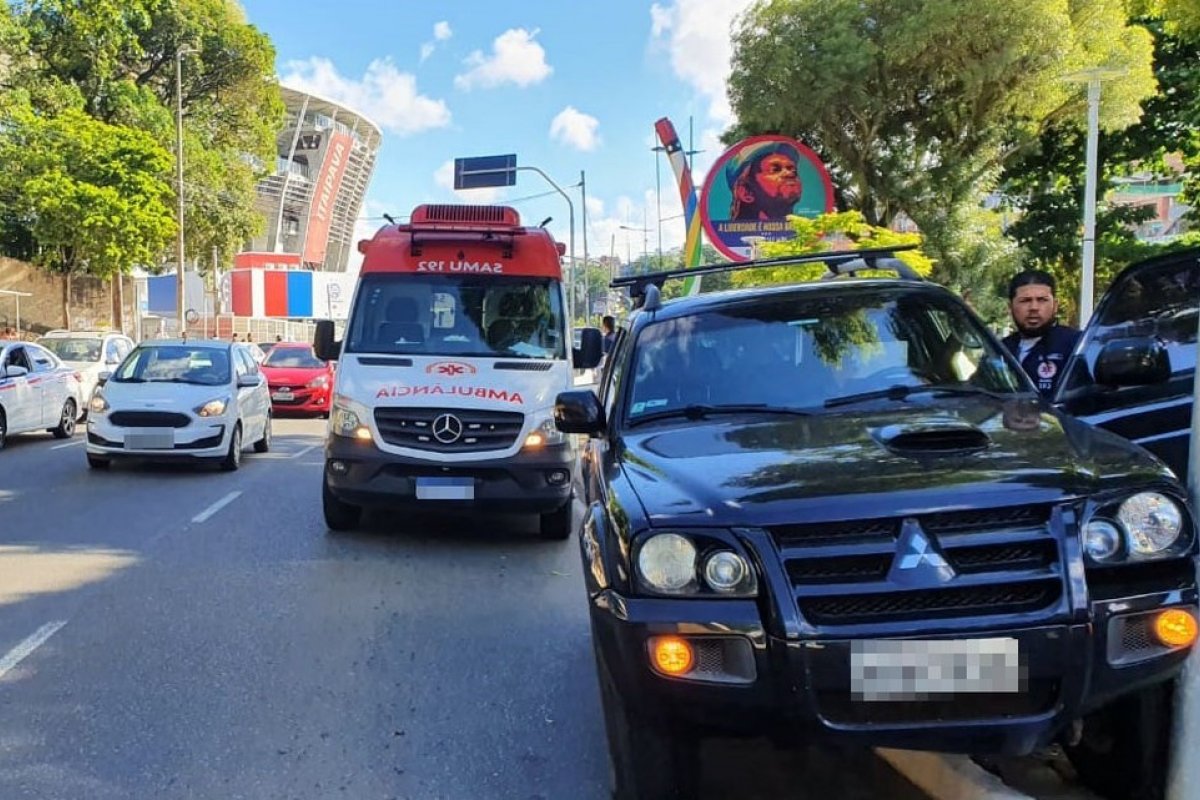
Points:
point(464, 315)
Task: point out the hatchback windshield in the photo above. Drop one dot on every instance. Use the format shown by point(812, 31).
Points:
point(466, 315)
point(73, 348)
point(806, 353)
point(293, 358)
point(204, 366)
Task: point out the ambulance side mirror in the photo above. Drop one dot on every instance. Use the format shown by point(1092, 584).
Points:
point(590, 350)
point(325, 346)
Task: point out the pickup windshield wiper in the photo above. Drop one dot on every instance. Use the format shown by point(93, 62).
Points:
point(700, 411)
point(900, 391)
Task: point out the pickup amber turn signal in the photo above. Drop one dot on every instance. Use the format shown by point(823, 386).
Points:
point(672, 655)
point(1175, 627)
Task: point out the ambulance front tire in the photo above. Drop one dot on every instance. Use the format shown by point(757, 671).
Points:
point(558, 524)
point(339, 516)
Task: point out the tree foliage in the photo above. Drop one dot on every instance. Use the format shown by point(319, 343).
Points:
point(916, 105)
point(846, 230)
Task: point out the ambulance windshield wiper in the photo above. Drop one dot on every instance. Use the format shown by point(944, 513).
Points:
point(901, 391)
point(698, 411)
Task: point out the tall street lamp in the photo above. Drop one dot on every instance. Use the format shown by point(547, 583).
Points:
point(179, 267)
point(1092, 77)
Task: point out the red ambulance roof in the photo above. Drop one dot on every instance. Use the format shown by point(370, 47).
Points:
point(463, 239)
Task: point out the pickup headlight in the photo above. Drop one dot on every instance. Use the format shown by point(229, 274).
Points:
point(344, 420)
point(546, 434)
point(98, 405)
point(1152, 522)
point(213, 408)
point(1143, 526)
point(678, 564)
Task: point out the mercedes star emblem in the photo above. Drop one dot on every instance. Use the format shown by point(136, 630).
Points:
point(447, 428)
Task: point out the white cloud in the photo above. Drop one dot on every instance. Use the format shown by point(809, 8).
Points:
point(444, 177)
point(574, 128)
point(384, 94)
point(441, 32)
point(516, 58)
point(697, 35)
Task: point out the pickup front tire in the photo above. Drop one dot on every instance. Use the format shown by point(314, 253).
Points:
point(649, 760)
point(339, 516)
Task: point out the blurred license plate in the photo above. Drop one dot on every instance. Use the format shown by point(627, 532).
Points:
point(150, 440)
point(893, 669)
point(445, 489)
point(284, 396)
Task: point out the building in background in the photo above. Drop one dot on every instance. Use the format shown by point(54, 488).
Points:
point(326, 156)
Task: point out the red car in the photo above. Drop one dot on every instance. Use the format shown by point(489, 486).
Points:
point(299, 381)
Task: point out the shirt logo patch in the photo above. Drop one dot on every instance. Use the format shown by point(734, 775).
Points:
point(1047, 370)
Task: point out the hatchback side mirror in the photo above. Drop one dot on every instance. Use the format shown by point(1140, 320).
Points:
point(1139, 361)
point(102, 378)
point(248, 381)
point(579, 411)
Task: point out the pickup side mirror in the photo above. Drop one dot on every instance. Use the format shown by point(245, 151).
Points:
point(1137, 361)
point(590, 350)
point(325, 346)
point(13, 371)
point(579, 411)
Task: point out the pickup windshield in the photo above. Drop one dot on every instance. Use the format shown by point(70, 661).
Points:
point(462, 315)
point(818, 353)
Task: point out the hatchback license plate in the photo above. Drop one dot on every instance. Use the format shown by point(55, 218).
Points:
point(283, 396)
point(899, 669)
point(445, 489)
point(150, 440)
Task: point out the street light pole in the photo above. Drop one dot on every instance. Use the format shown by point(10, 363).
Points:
point(571, 222)
point(180, 273)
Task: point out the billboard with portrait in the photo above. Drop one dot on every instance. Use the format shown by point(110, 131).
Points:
point(754, 186)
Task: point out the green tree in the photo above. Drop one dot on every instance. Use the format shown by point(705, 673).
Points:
point(1044, 188)
point(93, 197)
point(916, 104)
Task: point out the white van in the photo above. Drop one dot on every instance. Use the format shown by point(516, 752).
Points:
point(457, 344)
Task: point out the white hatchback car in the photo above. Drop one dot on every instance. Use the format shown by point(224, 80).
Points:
point(180, 400)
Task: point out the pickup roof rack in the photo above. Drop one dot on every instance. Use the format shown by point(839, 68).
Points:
point(838, 263)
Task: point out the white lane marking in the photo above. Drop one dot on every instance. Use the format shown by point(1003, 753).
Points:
point(217, 506)
point(18, 653)
point(308, 449)
point(68, 444)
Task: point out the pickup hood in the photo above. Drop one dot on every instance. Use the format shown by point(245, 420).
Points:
point(523, 385)
point(759, 470)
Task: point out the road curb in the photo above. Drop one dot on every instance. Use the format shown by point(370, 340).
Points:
point(949, 777)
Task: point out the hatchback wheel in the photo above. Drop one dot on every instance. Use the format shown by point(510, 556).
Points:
point(263, 445)
point(233, 459)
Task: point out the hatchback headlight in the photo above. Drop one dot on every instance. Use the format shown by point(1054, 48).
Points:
point(1152, 522)
point(213, 408)
point(318, 382)
point(667, 563)
point(98, 405)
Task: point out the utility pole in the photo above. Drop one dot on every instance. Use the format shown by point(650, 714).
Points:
point(180, 270)
point(587, 286)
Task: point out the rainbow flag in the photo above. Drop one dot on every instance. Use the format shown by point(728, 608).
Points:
point(687, 193)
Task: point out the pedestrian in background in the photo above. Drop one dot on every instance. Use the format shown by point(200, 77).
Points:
point(1039, 342)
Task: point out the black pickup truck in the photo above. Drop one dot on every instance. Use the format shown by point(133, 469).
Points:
point(839, 511)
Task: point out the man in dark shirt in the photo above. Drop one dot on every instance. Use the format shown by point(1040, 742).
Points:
point(1039, 343)
point(608, 326)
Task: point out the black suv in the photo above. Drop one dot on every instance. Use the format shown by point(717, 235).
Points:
point(839, 510)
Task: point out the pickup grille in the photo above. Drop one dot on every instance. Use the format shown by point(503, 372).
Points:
point(1001, 561)
point(149, 419)
point(481, 430)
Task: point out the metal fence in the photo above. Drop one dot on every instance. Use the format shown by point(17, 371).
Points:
point(224, 326)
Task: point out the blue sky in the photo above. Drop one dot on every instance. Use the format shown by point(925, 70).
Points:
point(565, 86)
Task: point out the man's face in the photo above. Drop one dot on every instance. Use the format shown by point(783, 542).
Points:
point(777, 178)
point(1033, 309)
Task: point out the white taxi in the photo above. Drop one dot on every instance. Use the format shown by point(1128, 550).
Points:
point(89, 353)
point(196, 400)
point(37, 392)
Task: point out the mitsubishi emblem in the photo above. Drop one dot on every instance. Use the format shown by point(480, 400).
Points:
point(447, 428)
point(918, 561)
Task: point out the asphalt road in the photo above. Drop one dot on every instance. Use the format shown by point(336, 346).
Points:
point(172, 633)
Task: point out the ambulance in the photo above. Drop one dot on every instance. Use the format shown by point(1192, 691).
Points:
point(457, 343)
